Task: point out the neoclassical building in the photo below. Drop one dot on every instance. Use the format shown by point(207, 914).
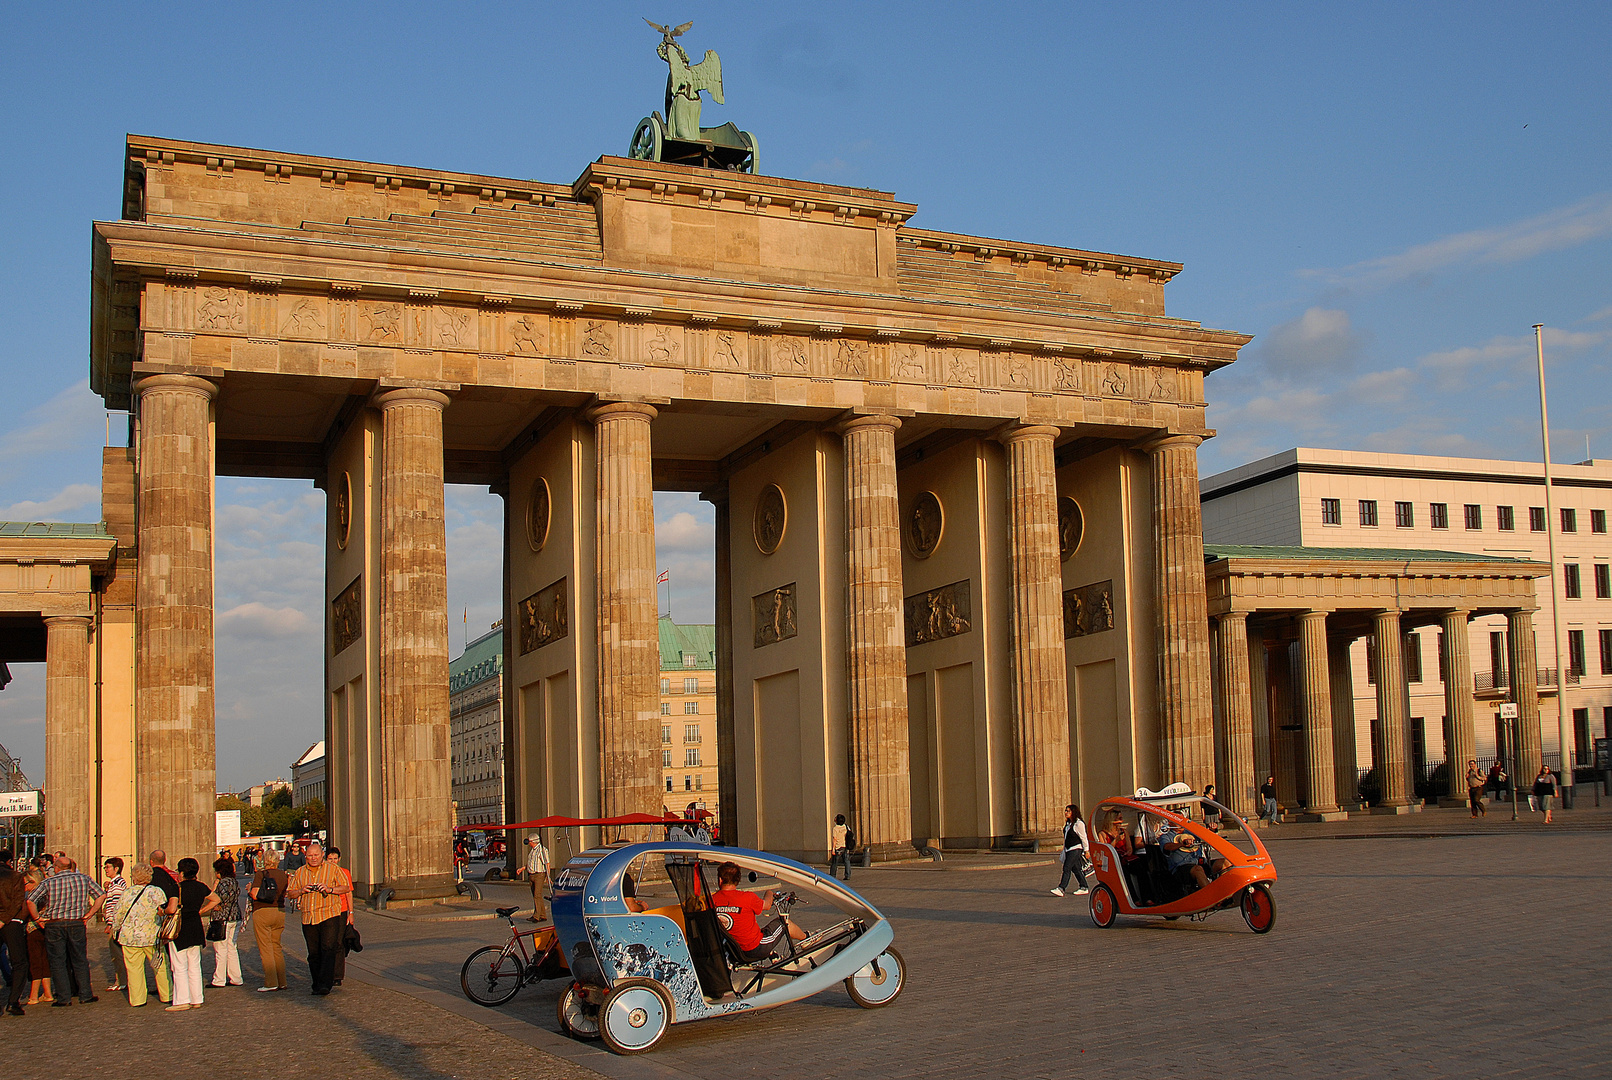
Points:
point(960, 575)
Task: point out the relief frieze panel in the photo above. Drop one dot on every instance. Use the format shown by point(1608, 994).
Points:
point(1088, 609)
point(526, 334)
point(938, 614)
point(773, 615)
point(305, 318)
point(544, 617)
point(220, 308)
point(347, 617)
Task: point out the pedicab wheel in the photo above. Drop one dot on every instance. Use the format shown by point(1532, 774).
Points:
point(489, 977)
point(1259, 909)
point(1103, 908)
point(635, 1016)
point(873, 989)
point(578, 1019)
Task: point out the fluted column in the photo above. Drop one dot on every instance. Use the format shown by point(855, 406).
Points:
point(1458, 701)
point(69, 762)
point(1322, 796)
point(1388, 746)
point(876, 660)
point(416, 775)
point(1259, 700)
point(1345, 766)
point(1524, 664)
point(1186, 729)
point(629, 638)
point(1236, 695)
point(175, 757)
point(1041, 780)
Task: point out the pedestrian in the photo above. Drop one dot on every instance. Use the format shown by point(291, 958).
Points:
point(1074, 851)
point(292, 860)
point(1474, 789)
point(184, 951)
point(134, 927)
point(225, 927)
point(333, 856)
point(839, 846)
point(537, 875)
point(267, 894)
point(162, 877)
point(115, 884)
point(14, 929)
point(39, 988)
point(1273, 810)
point(65, 902)
point(1212, 817)
point(317, 886)
point(1544, 790)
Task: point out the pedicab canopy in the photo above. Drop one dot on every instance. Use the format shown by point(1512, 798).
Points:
point(557, 821)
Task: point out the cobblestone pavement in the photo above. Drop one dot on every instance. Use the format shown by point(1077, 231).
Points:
point(1457, 956)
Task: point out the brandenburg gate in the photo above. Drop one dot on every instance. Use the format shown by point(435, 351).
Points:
point(959, 565)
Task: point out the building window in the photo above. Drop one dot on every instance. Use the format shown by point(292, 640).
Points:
point(690, 660)
point(1474, 516)
point(1438, 515)
point(691, 708)
point(1606, 652)
point(666, 686)
point(691, 733)
point(699, 782)
point(688, 783)
point(691, 686)
point(1597, 521)
point(666, 708)
point(1368, 513)
point(1371, 659)
point(1497, 657)
point(691, 757)
point(1504, 519)
point(666, 759)
point(1413, 658)
point(1603, 581)
point(666, 733)
point(668, 783)
point(1576, 667)
point(1536, 519)
point(1569, 519)
point(1331, 512)
point(1404, 516)
point(1571, 588)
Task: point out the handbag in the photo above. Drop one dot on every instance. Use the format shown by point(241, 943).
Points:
point(350, 940)
point(215, 930)
point(169, 928)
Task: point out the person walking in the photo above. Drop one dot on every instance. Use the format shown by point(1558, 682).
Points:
point(14, 929)
point(317, 886)
point(537, 875)
point(1273, 810)
point(333, 856)
point(267, 894)
point(1212, 817)
point(839, 846)
point(184, 951)
point(1074, 851)
point(115, 884)
point(134, 927)
point(226, 925)
point(1475, 779)
point(1544, 790)
point(64, 902)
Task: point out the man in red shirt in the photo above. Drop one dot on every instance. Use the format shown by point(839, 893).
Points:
point(737, 909)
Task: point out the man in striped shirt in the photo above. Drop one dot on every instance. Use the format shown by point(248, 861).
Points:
point(115, 886)
point(318, 887)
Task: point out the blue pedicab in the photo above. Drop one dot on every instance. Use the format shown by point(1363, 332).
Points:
point(637, 973)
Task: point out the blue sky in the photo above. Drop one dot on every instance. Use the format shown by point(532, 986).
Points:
point(1387, 195)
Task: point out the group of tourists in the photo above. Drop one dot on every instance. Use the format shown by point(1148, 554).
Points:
point(160, 922)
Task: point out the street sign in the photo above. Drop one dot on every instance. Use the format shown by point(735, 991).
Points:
point(19, 803)
point(226, 828)
point(1508, 710)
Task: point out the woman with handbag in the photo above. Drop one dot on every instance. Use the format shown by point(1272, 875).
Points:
point(187, 936)
point(135, 926)
point(225, 927)
point(267, 893)
point(38, 958)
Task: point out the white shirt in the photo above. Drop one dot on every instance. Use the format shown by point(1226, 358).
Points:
point(537, 859)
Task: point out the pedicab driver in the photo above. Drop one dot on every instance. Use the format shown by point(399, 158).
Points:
point(1186, 856)
point(737, 909)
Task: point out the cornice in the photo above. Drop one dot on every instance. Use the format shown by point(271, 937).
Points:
point(1073, 260)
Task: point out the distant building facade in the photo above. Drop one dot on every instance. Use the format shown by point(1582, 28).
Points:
point(476, 709)
point(1344, 499)
point(308, 777)
point(688, 747)
point(258, 794)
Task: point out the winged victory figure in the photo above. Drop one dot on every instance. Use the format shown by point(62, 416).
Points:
point(685, 81)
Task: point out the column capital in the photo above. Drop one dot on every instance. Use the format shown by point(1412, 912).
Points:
point(620, 410)
point(1171, 442)
point(184, 384)
point(1029, 431)
point(1452, 613)
point(411, 395)
point(68, 620)
point(1311, 616)
point(876, 421)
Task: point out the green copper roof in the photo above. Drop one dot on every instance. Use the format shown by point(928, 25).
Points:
point(676, 639)
point(1215, 552)
point(55, 530)
point(483, 659)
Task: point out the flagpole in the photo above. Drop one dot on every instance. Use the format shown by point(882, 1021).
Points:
point(1563, 717)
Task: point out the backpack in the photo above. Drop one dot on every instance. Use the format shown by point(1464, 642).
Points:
point(267, 891)
point(850, 839)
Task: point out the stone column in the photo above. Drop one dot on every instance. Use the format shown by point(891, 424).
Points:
point(876, 661)
point(416, 774)
point(69, 762)
point(1524, 665)
point(726, 738)
point(1388, 750)
point(629, 636)
point(1237, 787)
point(1186, 727)
point(1041, 781)
point(1322, 802)
point(1457, 675)
point(1259, 700)
point(175, 763)
point(1284, 726)
point(1344, 759)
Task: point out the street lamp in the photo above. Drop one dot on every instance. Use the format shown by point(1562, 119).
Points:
point(1563, 722)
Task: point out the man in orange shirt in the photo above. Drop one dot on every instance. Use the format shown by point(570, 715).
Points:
point(319, 887)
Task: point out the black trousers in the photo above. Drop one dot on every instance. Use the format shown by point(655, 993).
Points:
point(17, 945)
point(324, 943)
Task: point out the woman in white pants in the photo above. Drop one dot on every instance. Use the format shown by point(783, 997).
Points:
point(226, 959)
point(184, 951)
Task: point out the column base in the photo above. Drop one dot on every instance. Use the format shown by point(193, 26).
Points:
point(1407, 809)
point(429, 887)
point(1322, 815)
point(1450, 802)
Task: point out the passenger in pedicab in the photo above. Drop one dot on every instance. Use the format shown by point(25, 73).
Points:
point(1185, 858)
point(737, 909)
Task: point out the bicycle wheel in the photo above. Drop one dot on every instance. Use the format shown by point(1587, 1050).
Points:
point(578, 1019)
point(874, 989)
point(490, 977)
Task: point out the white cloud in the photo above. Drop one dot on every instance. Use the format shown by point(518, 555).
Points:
point(63, 423)
point(73, 497)
point(257, 621)
point(1604, 313)
point(682, 532)
point(1321, 339)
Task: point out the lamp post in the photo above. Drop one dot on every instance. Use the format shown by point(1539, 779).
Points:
point(1563, 717)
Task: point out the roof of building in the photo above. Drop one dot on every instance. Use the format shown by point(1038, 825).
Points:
point(1216, 552)
point(1593, 473)
point(55, 529)
point(482, 659)
point(679, 639)
point(313, 753)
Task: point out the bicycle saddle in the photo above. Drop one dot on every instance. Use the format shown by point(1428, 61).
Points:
point(506, 912)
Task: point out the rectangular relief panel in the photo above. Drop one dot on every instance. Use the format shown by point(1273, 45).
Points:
point(1088, 609)
point(773, 615)
point(544, 617)
point(939, 613)
point(347, 617)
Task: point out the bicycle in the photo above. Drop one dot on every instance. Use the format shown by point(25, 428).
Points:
point(493, 974)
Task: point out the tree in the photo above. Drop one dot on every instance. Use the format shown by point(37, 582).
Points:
point(278, 799)
point(313, 811)
point(251, 816)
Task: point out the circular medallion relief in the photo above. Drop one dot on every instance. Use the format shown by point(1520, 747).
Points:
point(772, 516)
point(1071, 527)
point(924, 523)
point(537, 514)
point(344, 510)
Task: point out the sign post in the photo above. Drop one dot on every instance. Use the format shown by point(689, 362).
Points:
point(226, 828)
point(1508, 713)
